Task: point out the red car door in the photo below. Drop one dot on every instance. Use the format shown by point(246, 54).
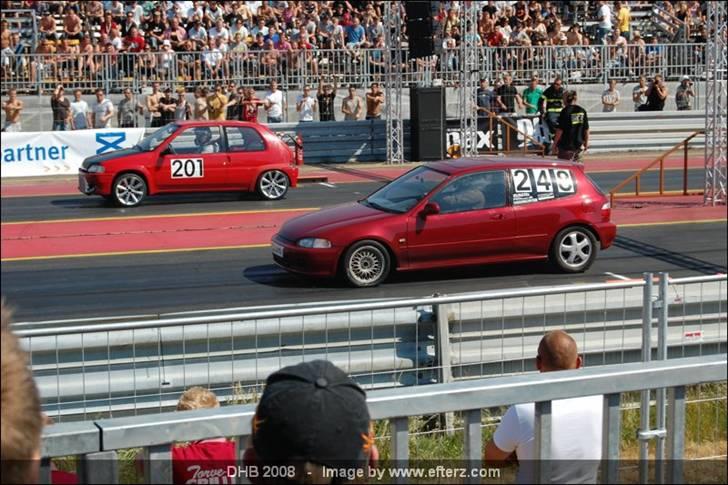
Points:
point(543, 200)
point(196, 160)
point(475, 223)
point(247, 150)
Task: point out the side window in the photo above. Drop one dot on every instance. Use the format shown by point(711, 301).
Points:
point(485, 190)
point(244, 139)
point(538, 184)
point(197, 140)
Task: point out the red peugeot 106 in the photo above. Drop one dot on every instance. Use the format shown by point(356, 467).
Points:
point(452, 213)
point(193, 156)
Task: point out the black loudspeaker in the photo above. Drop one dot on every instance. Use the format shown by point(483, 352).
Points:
point(419, 29)
point(427, 123)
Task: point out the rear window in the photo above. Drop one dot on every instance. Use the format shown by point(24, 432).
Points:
point(539, 184)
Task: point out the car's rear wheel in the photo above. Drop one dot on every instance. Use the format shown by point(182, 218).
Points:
point(273, 185)
point(366, 263)
point(574, 249)
point(129, 190)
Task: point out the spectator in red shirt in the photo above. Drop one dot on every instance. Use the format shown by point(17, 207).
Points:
point(204, 461)
point(494, 38)
point(107, 25)
point(311, 416)
point(134, 42)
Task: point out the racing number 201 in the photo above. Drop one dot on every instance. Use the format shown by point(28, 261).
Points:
point(187, 168)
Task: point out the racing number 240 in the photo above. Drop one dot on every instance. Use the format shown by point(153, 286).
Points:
point(187, 168)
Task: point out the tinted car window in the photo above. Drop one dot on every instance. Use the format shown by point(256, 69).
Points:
point(244, 139)
point(484, 190)
point(197, 140)
point(403, 193)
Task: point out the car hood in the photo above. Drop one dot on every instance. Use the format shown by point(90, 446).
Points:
point(316, 223)
point(102, 157)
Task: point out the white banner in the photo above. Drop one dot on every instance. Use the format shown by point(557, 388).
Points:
point(60, 152)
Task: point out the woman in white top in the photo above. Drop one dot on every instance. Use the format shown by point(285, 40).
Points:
point(79, 112)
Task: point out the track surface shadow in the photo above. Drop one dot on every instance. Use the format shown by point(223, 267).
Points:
point(672, 257)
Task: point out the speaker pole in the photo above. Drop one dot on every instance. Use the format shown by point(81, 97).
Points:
point(393, 82)
point(468, 77)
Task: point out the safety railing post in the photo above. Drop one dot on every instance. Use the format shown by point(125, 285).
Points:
point(473, 442)
point(444, 357)
point(542, 439)
point(685, 167)
point(646, 357)
point(400, 445)
point(611, 434)
point(660, 397)
point(101, 467)
point(675, 434)
point(158, 466)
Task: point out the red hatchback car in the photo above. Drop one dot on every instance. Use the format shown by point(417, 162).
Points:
point(453, 213)
point(193, 156)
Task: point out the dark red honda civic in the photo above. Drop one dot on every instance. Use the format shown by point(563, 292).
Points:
point(454, 213)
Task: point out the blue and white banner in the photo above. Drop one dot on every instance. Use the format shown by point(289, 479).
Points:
point(60, 152)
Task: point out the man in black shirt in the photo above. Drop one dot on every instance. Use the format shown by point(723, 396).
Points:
point(486, 99)
point(573, 131)
point(61, 107)
point(551, 104)
point(507, 95)
point(326, 95)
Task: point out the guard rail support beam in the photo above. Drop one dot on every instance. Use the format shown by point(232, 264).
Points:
point(675, 434)
point(611, 437)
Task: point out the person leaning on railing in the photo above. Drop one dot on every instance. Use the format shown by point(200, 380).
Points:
point(312, 419)
point(576, 424)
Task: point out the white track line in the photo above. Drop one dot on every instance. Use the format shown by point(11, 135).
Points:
point(618, 276)
point(331, 186)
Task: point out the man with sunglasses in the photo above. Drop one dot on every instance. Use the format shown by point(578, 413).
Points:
point(551, 104)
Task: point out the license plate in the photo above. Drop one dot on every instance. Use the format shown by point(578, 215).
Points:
point(277, 250)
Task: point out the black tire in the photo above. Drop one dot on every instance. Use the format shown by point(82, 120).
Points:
point(272, 185)
point(574, 249)
point(366, 263)
point(129, 190)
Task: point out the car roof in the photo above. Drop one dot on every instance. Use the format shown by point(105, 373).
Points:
point(464, 165)
point(217, 123)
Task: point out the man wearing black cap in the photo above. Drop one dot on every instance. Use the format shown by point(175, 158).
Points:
point(312, 418)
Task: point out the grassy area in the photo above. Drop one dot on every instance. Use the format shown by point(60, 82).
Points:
point(705, 437)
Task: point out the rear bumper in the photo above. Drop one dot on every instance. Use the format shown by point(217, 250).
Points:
point(607, 233)
point(306, 261)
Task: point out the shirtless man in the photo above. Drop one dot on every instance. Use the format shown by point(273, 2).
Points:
point(12, 107)
point(72, 25)
point(153, 106)
point(47, 49)
point(375, 100)
point(48, 26)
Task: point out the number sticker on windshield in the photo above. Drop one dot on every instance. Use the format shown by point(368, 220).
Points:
point(187, 168)
point(536, 184)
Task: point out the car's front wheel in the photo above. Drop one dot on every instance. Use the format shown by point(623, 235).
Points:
point(129, 190)
point(366, 263)
point(273, 185)
point(574, 249)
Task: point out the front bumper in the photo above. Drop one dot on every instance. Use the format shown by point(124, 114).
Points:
point(307, 261)
point(93, 183)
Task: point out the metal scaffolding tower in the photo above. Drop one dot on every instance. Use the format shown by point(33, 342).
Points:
point(715, 105)
point(468, 79)
point(394, 83)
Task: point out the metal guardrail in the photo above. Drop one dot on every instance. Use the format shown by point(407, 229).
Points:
point(97, 442)
point(84, 368)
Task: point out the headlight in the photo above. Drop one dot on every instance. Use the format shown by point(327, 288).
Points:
point(97, 168)
point(312, 242)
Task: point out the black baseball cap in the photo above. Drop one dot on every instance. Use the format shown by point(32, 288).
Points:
point(312, 412)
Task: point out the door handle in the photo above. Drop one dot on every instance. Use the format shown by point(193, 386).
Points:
point(497, 217)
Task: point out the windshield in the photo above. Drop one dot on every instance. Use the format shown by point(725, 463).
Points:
point(405, 192)
point(152, 141)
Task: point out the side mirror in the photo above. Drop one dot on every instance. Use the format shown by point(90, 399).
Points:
point(167, 151)
point(430, 209)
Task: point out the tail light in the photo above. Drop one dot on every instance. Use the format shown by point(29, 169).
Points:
point(606, 211)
